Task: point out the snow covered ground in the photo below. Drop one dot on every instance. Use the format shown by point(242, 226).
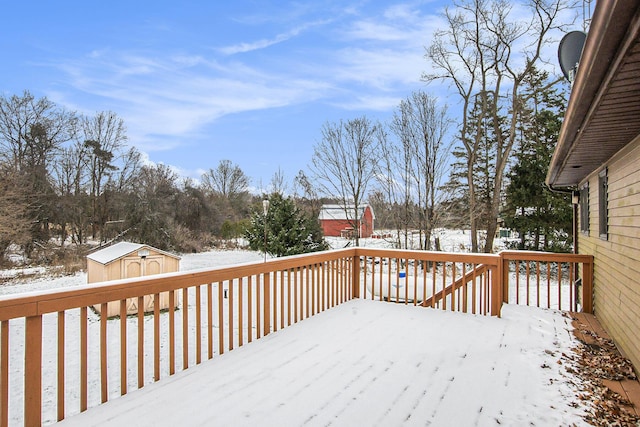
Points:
point(527, 337)
point(24, 282)
point(37, 278)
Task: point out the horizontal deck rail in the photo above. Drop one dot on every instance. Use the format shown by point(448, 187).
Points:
point(65, 347)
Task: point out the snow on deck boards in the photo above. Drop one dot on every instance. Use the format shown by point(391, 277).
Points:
point(371, 363)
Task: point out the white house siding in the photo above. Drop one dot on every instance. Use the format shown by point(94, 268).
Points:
point(617, 258)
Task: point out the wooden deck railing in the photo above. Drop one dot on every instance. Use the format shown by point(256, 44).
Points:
point(56, 341)
point(549, 280)
point(449, 281)
point(84, 359)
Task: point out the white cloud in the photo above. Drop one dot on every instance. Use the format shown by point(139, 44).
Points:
point(166, 101)
point(264, 43)
point(248, 47)
point(382, 69)
point(386, 52)
point(368, 30)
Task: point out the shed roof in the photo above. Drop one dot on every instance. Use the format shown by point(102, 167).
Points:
point(121, 249)
point(603, 114)
point(340, 212)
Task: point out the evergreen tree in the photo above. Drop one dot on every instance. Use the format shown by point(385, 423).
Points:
point(484, 169)
point(288, 231)
point(541, 217)
point(456, 203)
point(482, 162)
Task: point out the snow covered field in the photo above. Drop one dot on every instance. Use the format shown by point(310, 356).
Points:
point(441, 331)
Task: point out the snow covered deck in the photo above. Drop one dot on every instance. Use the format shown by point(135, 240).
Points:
point(59, 358)
point(371, 363)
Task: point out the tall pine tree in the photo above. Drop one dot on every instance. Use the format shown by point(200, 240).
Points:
point(541, 217)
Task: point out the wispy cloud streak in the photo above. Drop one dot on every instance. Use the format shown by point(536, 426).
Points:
point(264, 43)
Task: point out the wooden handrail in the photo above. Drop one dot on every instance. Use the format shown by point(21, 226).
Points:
point(478, 271)
point(545, 256)
point(469, 258)
point(50, 301)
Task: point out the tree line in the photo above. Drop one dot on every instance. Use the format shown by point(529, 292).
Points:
point(69, 178)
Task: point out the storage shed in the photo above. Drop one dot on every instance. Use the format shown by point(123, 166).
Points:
point(127, 260)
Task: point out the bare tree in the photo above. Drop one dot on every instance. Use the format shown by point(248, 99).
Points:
point(485, 53)
point(104, 136)
point(344, 163)
point(14, 221)
point(129, 165)
point(278, 184)
point(227, 179)
point(421, 127)
point(151, 216)
point(395, 182)
point(70, 181)
point(32, 132)
point(227, 187)
point(309, 200)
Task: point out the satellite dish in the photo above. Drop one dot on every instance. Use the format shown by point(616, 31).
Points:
point(569, 53)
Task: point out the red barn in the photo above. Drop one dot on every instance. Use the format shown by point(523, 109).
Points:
point(338, 220)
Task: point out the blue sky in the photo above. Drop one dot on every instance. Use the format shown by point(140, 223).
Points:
point(199, 82)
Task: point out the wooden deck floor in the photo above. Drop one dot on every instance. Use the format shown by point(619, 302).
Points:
point(371, 363)
point(628, 389)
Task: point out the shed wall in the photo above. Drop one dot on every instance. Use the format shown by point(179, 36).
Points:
point(130, 266)
point(95, 271)
point(617, 258)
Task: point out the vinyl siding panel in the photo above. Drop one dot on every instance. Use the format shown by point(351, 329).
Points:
point(617, 258)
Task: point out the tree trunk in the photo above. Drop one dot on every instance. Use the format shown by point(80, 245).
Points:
point(472, 207)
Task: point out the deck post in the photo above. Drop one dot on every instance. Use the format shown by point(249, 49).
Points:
point(33, 371)
point(504, 267)
point(496, 288)
point(355, 276)
point(4, 373)
point(266, 303)
point(587, 286)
